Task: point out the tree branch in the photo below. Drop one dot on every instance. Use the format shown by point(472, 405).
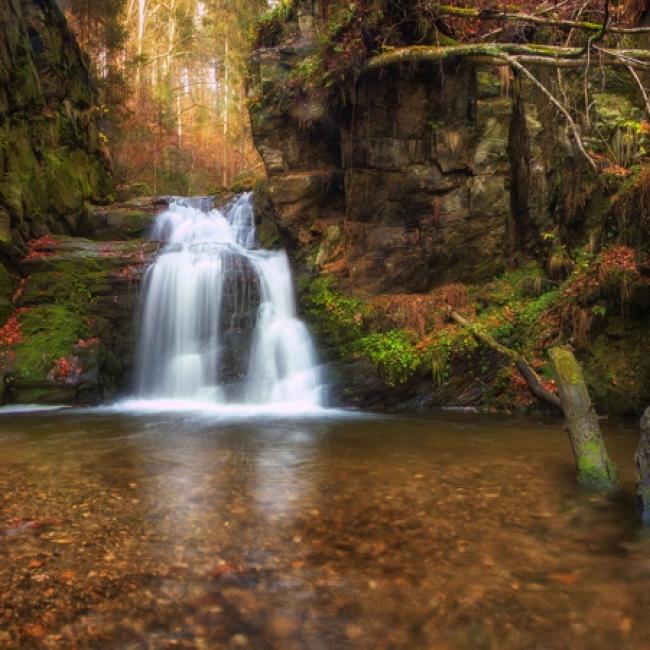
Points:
point(552, 56)
point(524, 368)
point(498, 52)
point(574, 128)
point(493, 14)
point(644, 92)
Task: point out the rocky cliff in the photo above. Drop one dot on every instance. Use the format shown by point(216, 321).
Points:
point(423, 185)
point(67, 304)
point(52, 158)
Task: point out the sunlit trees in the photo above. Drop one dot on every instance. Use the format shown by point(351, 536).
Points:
point(183, 127)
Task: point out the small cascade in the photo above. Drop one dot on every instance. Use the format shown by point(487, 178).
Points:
point(219, 319)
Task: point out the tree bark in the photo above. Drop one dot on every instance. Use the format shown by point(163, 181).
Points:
point(642, 461)
point(226, 111)
point(595, 469)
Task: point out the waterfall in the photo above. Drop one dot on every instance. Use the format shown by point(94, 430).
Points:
point(218, 321)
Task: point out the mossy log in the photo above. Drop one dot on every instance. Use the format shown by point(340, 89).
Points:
point(642, 461)
point(595, 469)
point(503, 53)
point(520, 17)
point(525, 369)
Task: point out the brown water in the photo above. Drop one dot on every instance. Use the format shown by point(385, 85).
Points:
point(452, 531)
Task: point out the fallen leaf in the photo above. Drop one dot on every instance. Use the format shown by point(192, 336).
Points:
point(564, 578)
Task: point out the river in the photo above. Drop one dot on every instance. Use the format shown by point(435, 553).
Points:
point(122, 529)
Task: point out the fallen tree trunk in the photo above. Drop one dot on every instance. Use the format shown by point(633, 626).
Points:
point(525, 369)
point(595, 469)
point(642, 462)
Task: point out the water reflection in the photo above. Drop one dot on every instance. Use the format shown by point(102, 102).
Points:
point(452, 531)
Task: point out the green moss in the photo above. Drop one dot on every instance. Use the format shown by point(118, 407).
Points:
point(70, 178)
point(566, 365)
point(7, 287)
point(271, 25)
point(21, 189)
point(393, 354)
point(73, 283)
point(337, 319)
point(49, 332)
point(269, 236)
point(595, 470)
point(133, 190)
point(617, 366)
point(341, 326)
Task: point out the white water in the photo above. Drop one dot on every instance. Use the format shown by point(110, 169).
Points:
point(219, 323)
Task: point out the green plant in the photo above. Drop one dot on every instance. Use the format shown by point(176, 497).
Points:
point(336, 318)
point(392, 353)
point(269, 28)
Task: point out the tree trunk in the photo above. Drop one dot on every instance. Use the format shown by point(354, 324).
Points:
point(142, 17)
point(226, 112)
point(595, 470)
point(642, 459)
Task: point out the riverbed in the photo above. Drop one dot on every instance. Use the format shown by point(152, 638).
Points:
point(334, 530)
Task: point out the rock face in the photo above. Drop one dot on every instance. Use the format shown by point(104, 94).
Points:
point(429, 175)
point(67, 304)
point(71, 335)
point(436, 174)
point(642, 462)
point(52, 158)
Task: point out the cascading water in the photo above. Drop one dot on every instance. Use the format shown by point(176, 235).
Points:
point(219, 321)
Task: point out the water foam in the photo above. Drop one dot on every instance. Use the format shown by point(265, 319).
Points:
point(219, 324)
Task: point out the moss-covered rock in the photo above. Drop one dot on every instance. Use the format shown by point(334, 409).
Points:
point(70, 335)
point(51, 156)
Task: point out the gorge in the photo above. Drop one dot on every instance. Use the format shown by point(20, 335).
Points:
point(293, 295)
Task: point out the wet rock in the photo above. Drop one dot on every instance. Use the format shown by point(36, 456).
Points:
point(70, 333)
point(642, 461)
point(124, 221)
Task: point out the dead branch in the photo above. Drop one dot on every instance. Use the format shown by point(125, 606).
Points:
point(493, 14)
point(644, 92)
point(524, 368)
point(567, 116)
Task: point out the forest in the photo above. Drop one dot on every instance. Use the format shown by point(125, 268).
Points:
point(324, 324)
point(172, 83)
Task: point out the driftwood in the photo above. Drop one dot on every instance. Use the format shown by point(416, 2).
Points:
point(595, 469)
point(525, 369)
point(642, 461)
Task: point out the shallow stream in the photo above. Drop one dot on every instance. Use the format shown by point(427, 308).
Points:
point(123, 530)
